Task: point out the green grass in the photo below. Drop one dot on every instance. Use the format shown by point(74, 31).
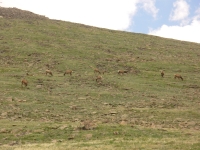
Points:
point(138, 110)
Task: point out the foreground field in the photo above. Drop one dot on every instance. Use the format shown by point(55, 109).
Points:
point(137, 110)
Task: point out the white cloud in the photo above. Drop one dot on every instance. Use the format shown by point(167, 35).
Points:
point(197, 14)
point(149, 6)
point(111, 14)
point(188, 32)
point(180, 11)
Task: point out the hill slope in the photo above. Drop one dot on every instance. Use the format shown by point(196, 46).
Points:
point(120, 111)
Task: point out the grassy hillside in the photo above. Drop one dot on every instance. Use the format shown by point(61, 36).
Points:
point(137, 110)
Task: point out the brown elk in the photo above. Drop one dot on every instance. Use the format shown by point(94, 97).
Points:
point(68, 72)
point(24, 83)
point(99, 78)
point(162, 73)
point(49, 72)
point(178, 76)
point(96, 70)
point(122, 71)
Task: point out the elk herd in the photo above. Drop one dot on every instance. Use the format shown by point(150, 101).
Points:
point(24, 82)
point(178, 76)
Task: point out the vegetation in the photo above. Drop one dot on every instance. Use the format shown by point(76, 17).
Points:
point(136, 110)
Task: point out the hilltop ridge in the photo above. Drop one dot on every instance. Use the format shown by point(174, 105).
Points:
point(15, 13)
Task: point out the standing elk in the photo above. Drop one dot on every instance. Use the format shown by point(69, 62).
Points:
point(24, 83)
point(162, 73)
point(178, 76)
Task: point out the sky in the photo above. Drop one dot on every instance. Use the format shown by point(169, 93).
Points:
point(176, 19)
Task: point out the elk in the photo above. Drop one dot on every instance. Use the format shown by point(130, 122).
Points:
point(162, 73)
point(49, 72)
point(122, 71)
point(178, 76)
point(96, 70)
point(24, 82)
point(98, 78)
point(68, 72)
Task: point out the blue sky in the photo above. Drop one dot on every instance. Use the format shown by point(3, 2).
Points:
point(177, 19)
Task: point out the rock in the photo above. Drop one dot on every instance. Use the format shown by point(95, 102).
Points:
point(71, 137)
point(38, 86)
point(82, 98)
point(88, 136)
point(4, 130)
point(63, 127)
point(123, 123)
point(38, 131)
point(4, 114)
point(113, 112)
point(10, 99)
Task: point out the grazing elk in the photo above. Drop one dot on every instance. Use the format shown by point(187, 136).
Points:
point(122, 71)
point(98, 78)
point(96, 70)
point(49, 72)
point(24, 83)
point(68, 72)
point(178, 76)
point(162, 73)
